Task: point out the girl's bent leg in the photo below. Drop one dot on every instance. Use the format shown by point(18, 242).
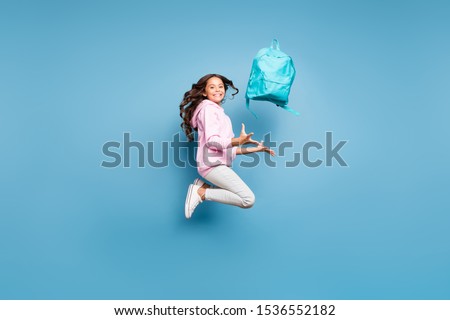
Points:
point(232, 190)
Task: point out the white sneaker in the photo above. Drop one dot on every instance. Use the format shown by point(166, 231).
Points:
point(192, 200)
point(198, 182)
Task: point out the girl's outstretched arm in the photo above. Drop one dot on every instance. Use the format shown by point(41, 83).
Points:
point(260, 148)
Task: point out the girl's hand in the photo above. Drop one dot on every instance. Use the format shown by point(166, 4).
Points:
point(259, 148)
point(245, 138)
point(262, 147)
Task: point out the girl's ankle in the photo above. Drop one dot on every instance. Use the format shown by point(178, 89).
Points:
point(201, 192)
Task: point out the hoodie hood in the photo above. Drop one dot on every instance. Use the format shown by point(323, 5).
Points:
point(194, 120)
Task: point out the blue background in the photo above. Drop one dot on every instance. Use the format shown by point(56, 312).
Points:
point(74, 75)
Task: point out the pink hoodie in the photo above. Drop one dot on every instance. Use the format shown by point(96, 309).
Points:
point(214, 137)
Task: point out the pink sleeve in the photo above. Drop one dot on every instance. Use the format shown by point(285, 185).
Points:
point(214, 130)
point(234, 153)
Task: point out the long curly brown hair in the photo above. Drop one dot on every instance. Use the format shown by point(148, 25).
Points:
point(193, 97)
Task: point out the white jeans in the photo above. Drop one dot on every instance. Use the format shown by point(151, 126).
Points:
point(230, 188)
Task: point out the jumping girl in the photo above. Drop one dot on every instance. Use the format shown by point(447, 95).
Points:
point(202, 111)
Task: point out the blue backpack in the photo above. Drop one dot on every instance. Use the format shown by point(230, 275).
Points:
point(271, 77)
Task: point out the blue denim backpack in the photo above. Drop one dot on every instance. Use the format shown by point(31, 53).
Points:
point(271, 77)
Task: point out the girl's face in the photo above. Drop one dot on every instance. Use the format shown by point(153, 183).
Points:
point(215, 90)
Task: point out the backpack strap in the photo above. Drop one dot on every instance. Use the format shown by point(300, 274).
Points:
point(285, 107)
point(247, 104)
point(275, 45)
